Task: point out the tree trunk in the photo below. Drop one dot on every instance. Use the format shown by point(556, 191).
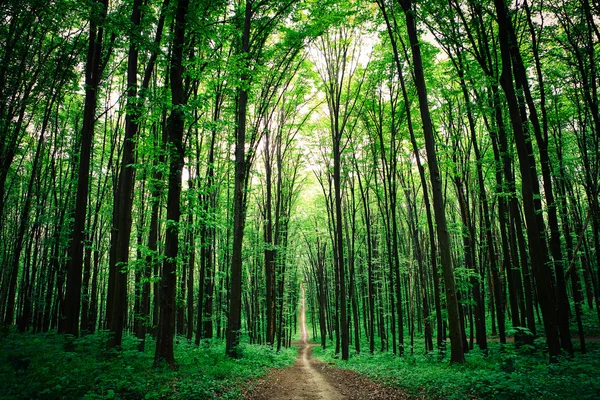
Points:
point(175, 126)
point(93, 72)
point(457, 352)
point(124, 195)
point(234, 320)
point(537, 242)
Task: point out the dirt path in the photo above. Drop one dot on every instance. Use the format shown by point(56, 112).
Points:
point(310, 379)
point(299, 382)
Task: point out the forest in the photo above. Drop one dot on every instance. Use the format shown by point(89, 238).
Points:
point(390, 198)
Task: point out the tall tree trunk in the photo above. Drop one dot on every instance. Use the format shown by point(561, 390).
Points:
point(457, 352)
point(124, 195)
point(541, 134)
point(93, 72)
point(369, 241)
point(175, 126)
point(269, 245)
point(339, 238)
point(432, 237)
point(207, 233)
point(537, 242)
point(489, 240)
point(234, 320)
point(191, 266)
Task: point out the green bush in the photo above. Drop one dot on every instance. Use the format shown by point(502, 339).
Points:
point(506, 373)
point(52, 366)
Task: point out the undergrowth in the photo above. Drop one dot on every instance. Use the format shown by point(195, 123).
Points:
point(506, 373)
point(52, 366)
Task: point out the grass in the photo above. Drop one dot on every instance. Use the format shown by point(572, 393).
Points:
point(52, 366)
point(506, 373)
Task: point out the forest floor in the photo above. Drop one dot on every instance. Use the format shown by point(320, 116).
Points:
point(310, 379)
point(507, 372)
point(54, 366)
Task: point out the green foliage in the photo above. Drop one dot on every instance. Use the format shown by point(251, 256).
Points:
point(505, 374)
point(52, 366)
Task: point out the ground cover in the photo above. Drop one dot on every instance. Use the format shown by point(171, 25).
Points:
point(51, 366)
point(506, 373)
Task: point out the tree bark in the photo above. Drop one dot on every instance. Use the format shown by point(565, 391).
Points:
point(93, 72)
point(234, 320)
point(175, 126)
point(537, 242)
point(457, 352)
point(124, 195)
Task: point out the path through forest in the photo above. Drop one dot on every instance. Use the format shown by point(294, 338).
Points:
point(310, 379)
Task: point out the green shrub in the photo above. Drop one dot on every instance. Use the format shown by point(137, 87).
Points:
point(506, 373)
point(52, 366)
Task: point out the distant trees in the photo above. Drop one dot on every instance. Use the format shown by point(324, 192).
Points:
point(256, 27)
point(124, 284)
point(339, 73)
point(505, 267)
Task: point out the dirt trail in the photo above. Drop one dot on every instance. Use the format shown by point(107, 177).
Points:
point(299, 382)
point(310, 379)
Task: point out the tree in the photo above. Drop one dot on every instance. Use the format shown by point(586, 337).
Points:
point(124, 193)
point(256, 23)
point(234, 323)
point(535, 232)
point(175, 127)
point(95, 64)
point(339, 50)
point(457, 352)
